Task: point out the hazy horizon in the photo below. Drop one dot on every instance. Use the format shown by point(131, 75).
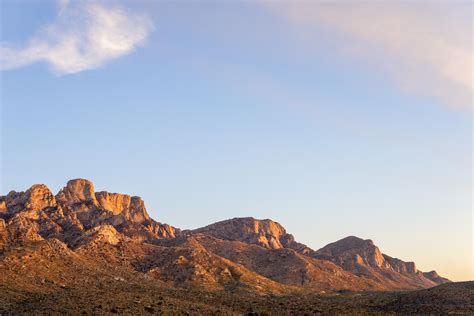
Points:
point(333, 120)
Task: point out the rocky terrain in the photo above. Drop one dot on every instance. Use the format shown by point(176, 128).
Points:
point(73, 246)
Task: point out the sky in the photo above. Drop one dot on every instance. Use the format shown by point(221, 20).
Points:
point(333, 119)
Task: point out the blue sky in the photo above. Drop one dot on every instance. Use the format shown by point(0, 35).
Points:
point(333, 120)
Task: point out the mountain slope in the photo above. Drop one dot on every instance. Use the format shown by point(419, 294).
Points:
point(286, 266)
point(265, 233)
point(355, 255)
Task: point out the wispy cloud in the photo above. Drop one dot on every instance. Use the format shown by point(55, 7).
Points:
point(85, 35)
point(426, 47)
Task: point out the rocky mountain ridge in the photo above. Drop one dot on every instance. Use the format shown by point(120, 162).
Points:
point(115, 230)
point(37, 214)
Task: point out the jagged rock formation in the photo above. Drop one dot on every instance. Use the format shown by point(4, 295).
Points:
point(363, 258)
point(3, 234)
point(102, 230)
point(353, 253)
point(265, 233)
point(37, 214)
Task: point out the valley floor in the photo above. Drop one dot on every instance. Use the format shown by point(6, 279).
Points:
point(151, 297)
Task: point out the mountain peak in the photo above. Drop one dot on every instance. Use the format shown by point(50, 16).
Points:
point(356, 240)
point(353, 252)
point(37, 196)
point(350, 243)
point(76, 209)
point(265, 233)
point(363, 257)
point(77, 191)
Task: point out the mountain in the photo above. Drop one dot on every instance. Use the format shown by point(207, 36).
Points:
point(37, 214)
point(355, 255)
point(264, 233)
point(87, 235)
point(363, 258)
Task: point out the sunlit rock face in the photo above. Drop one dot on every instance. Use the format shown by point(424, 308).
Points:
point(76, 209)
point(77, 191)
point(3, 234)
point(37, 197)
point(265, 233)
point(113, 202)
point(353, 252)
point(101, 234)
point(124, 207)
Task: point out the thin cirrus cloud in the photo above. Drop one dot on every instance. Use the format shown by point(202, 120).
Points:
point(84, 36)
point(425, 47)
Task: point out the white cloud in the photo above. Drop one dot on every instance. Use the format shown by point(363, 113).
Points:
point(426, 47)
point(85, 36)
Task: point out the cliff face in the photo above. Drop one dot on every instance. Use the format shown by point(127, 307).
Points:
point(35, 198)
point(129, 208)
point(364, 258)
point(38, 214)
point(264, 233)
point(77, 192)
point(114, 231)
point(353, 253)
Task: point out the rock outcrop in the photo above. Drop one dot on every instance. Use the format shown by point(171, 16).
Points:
point(353, 254)
point(77, 192)
point(3, 234)
point(37, 197)
point(127, 208)
point(364, 258)
point(265, 233)
point(76, 211)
